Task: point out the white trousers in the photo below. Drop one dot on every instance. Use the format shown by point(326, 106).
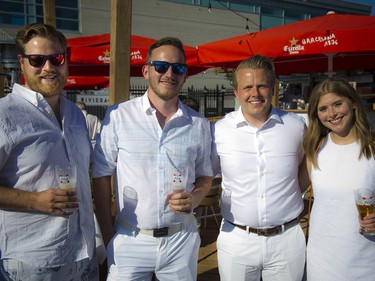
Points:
point(133, 257)
point(246, 256)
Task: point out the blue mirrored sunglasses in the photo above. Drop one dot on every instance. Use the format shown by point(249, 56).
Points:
point(163, 66)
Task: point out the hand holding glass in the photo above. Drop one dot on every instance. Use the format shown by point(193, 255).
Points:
point(364, 200)
point(67, 178)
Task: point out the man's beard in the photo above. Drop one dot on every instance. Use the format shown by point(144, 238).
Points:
point(34, 82)
point(162, 93)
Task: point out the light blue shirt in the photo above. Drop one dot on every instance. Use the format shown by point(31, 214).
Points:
point(31, 145)
point(149, 160)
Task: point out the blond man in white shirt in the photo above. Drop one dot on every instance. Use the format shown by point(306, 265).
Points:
point(258, 150)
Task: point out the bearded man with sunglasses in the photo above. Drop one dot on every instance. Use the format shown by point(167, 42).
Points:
point(159, 150)
point(39, 130)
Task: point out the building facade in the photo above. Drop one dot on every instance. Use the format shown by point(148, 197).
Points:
point(195, 22)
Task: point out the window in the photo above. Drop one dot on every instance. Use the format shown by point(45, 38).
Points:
point(272, 11)
point(268, 22)
point(247, 8)
point(21, 12)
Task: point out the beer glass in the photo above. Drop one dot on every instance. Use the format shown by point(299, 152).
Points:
point(179, 180)
point(67, 177)
point(364, 200)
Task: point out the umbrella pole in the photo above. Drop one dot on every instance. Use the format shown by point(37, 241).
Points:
point(330, 72)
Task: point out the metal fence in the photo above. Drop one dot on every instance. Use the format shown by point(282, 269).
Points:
point(213, 102)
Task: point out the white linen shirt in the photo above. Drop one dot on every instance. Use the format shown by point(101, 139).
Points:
point(259, 168)
point(147, 159)
point(31, 145)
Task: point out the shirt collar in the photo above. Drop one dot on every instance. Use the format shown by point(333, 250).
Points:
point(35, 98)
point(147, 108)
point(26, 94)
point(240, 121)
point(182, 110)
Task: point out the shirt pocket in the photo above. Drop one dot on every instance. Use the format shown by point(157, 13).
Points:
point(80, 145)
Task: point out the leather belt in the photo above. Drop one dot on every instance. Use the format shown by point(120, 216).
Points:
point(158, 232)
point(268, 231)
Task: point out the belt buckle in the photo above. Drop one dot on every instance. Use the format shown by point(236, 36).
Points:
point(160, 232)
point(269, 231)
point(262, 231)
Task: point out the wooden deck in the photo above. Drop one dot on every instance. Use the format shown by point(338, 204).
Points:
point(207, 260)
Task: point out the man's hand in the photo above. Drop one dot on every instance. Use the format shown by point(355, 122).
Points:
point(53, 201)
point(180, 202)
point(368, 223)
point(50, 201)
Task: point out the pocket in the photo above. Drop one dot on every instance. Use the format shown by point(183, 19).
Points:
point(81, 141)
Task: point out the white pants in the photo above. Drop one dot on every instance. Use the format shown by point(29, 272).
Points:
point(133, 257)
point(246, 256)
point(84, 270)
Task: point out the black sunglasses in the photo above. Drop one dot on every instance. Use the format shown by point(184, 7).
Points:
point(39, 61)
point(163, 66)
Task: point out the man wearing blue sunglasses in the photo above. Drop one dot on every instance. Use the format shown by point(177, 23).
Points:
point(159, 150)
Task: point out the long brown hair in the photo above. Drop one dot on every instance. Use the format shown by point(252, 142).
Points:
point(316, 131)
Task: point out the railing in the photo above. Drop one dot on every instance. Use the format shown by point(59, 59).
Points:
point(213, 102)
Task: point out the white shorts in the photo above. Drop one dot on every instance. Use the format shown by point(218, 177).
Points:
point(136, 257)
point(246, 256)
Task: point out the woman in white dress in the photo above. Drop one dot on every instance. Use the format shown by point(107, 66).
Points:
point(340, 148)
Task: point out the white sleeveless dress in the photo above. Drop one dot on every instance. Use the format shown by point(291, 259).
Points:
point(336, 251)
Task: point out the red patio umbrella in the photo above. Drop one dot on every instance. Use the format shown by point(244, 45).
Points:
point(323, 44)
point(87, 82)
point(91, 55)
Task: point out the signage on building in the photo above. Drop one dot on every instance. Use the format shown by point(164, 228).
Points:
point(94, 99)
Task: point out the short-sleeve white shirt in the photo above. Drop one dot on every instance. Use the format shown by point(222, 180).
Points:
point(147, 158)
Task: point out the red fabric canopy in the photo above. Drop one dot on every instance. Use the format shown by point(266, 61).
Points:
point(328, 43)
point(91, 55)
point(86, 82)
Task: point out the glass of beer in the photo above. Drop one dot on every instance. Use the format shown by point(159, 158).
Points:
point(364, 200)
point(67, 177)
point(179, 180)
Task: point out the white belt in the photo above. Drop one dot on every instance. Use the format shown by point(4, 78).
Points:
point(159, 232)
